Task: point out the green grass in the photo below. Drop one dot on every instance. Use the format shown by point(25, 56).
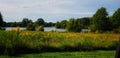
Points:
point(20, 42)
point(92, 54)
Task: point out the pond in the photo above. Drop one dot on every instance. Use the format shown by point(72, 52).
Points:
point(45, 29)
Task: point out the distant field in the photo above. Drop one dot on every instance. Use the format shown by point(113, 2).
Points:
point(94, 54)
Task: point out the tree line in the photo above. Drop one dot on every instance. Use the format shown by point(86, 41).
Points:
point(26, 21)
point(99, 22)
point(29, 24)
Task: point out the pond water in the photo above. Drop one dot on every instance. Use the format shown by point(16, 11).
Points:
point(45, 29)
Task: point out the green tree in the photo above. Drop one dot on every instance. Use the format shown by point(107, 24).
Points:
point(49, 24)
point(63, 24)
point(25, 22)
point(100, 21)
point(85, 22)
point(30, 27)
point(73, 25)
point(1, 20)
point(116, 19)
point(78, 25)
point(58, 25)
point(70, 26)
point(40, 21)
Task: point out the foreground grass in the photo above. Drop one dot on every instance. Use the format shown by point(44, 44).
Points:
point(19, 42)
point(93, 54)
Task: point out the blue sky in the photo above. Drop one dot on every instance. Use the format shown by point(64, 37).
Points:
point(53, 10)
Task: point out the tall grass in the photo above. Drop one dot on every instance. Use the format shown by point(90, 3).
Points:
point(15, 42)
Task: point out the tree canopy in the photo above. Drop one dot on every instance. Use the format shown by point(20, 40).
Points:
point(74, 25)
point(1, 20)
point(116, 19)
point(40, 21)
point(25, 22)
point(100, 21)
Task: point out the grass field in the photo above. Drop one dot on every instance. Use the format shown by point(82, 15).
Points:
point(92, 54)
point(20, 42)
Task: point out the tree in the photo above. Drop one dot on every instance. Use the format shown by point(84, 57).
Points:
point(100, 21)
point(85, 22)
point(49, 24)
point(116, 19)
point(73, 25)
point(70, 25)
point(30, 27)
point(4, 24)
point(58, 25)
point(63, 24)
point(1, 20)
point(40, 21)
point(78, 25)
point(25, 22)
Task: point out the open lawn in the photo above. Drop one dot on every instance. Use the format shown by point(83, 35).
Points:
point(92, 54)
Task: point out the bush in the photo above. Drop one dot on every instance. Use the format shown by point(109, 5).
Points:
point(116, 30)
point(40, 28)
point(30, 27)
point(2, 28)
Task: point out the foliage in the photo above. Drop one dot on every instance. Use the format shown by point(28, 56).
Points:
point(71, 25)
point(40, 22)
point(14, 42)
point(85, 22)
point(74, 25)
point(62, 24)
point(40, 28)
point(30, 26)
point(1, 20)
point(17, 29)
point(58, 25)
point(25, 22)
point(49, 24)
point(115, 19)
point(100, 21)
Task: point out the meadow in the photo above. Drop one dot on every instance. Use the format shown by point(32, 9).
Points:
point(22, 42)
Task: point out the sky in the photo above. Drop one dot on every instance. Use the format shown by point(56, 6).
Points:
point(53, 10)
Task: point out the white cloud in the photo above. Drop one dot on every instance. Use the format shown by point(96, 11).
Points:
point(17, 9)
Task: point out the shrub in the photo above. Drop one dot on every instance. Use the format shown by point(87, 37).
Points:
point(40, 28)
point(30, 27)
